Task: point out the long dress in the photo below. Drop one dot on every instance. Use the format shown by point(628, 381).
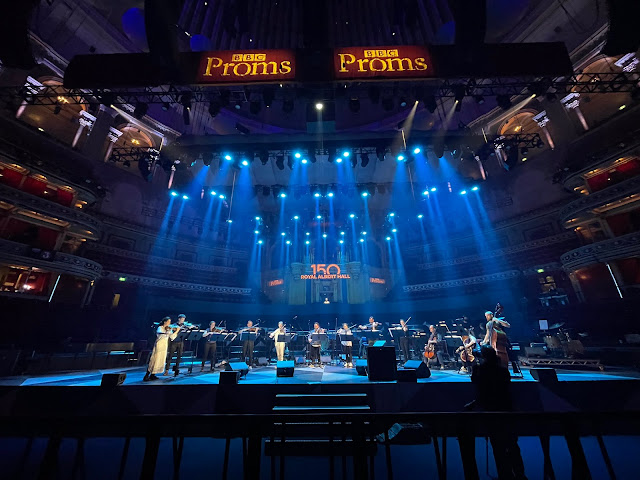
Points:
point(159, 353)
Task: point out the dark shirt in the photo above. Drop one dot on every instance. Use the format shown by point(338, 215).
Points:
point(492, 387)
point(438, 338)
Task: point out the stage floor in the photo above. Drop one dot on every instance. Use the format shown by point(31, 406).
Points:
point(303, 375)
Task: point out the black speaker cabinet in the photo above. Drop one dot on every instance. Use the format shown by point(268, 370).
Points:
point(284, 368)
point(112, 379)
point(544, 375)
point(408, 375)
point(381, 364)
point(361, 366)
point(421, 368)
point(241, 367)
point(229, 377)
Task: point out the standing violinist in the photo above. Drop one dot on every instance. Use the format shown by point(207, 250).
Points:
point(248, 345)
point(403, 331)
point(347, 345)
point(314, 345)
point(466, 352)
point(177, 347)
point(280, 346)
point(210, 346)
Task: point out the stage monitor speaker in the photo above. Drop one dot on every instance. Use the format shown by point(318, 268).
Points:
point(241, 367)
point(325, 359)
point(112, 379)
point(361, 366)
point(229, 377)
point(421, 368)
point(262, 361)
point(544, 375)
point(381, 364)
point(284, 368)
point(408, 375)
point(536, 351)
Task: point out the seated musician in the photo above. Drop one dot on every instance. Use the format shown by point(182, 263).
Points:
point(314, 346)
point(434, 344)
point(280, 346)
point(176, 347)
point(248, 345)
point(347, 345)
point(469, 344)
point(210, 346)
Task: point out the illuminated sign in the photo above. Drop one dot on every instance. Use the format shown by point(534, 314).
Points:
point(322, 271)
point(380, 281)
point(382, 62)
point(275, 283)
point(246, 66)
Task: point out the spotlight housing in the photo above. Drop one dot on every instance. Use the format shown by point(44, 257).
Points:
point(259, 242)
point(388, 239)
point(420, 216)
point(394, 230)
point(174, 193)
point(319, 106)
point(463, 192)
point(185, 197)
point(400, 158)
point(339, 160)
point(417, 150)
point(474, 189)
point(228, 158)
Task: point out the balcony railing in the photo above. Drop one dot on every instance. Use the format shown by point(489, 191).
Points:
point(607, 250)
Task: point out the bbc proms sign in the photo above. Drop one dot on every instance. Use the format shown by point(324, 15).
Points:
point(247, 66)
point(382, 62)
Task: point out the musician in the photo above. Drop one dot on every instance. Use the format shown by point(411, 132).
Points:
point(435, 344)
point(248, 345)
point(177, 347)
point(164, 334)
point(404, 339)
point(371, 326)
point(466, 352)
point(496, 337)
point(314, 346)
point(280, 346)
point(210, 346)
point(347, 345)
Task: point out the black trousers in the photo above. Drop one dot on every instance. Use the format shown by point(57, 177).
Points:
point(177, 348)
point(347, 352)
point(210, 350)
point(247, 351)
point(314, 354)
point(404, 347)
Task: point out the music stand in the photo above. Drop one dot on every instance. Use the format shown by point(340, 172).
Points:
point(344, 337)
point(250, 336)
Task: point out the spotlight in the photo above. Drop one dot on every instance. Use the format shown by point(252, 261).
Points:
point(307, 242)
point(282, 234)
point(324, 235)
point(346, 153)
point(296, 217)
point(283, 195)
point(354, 105)
point(364, 233)
point(307, 234)
point(185, 197)
point(297, 155)
point(245, 163)
point(416, 150)
point(319, 106)
point(392, 214)
point(364, 159)
point(362, 240)
point(280, 162)
point(433, 189)
point(213, 193)
point(174, 193)
point(259, 242)
point(289, 162)
point(317, 194)
point(256, 232)
point(380, 153)
point(330, 194)
point(365, 194)
point(425, 193)
point(524, 151)
point(504, 102)
point(258, 219)
point(341, 241)
point(388, 239)
point(288, 242)
point(339, 160)
point(341, 233)
point(474, 189)
point(463, 192)
point(228, 158)
point(304, 161)
point(403, 102)
point(238, 105)
point(354, 161)
point(221, 196)
point(352, 215)
point(57, 109)
point(420, 216)
point(459, 92)
point(400, 158)
point(319, 217)
point(263, 156)
point(140, 110)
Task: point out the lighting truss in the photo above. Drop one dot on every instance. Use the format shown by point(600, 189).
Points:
point(133, 154)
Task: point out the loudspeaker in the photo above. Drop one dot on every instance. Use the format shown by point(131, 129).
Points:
point(229, 377)
point(421, 368)
point(284, 368)
point(241, 367)
point(409, 375)
point(381, 364)
point(262, 361)
point(544, 375)
point(361, 366)
point(112, 379)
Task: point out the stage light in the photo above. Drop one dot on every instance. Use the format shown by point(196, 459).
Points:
point(229, 220)
point(185, 197)
point(307, 233)
point(341, 241)
point(258, 219)
point(317, 194)
point(388, 239)
point(221, 197)
point(352, 215)
point(400, 158)
point(425, 193)
point(364, 159)
point(283, 195)
point(403, 102)
point(394, 230)
point(282, 234)
point(420, 216)
point(307, 242)
point(228, 158)
point(259, 242)
point(392, 214)
point(288, 242)
point(474, 189)
point(214, 108)
point(433, 189)
point(459, 92)
point(174, 193)
point(361, 240)
point(363, 233)
point(57, 109)
point(540, 270)
point(304, 161)
point(213, 193)
point(256, 232)
point(416, 150)
point(319, 106)
point(319, 217)
point(341, 233)
point(238, 105)
point(463, 192)
point(380, 153)
point(289, 162)
point(122, 279)
point(245, 163)
point(280, 162)
point(346, 153)
point(365, 194)
point(339, 160)
point(524, 151)
point(330, 194)
point(166, 106)
point(297, 155)
point(296, 217)
point(324, 235)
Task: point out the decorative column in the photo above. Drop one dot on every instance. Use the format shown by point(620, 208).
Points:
point(296, 286)
point(93, 147)
point(358, 285)
point(572, 102)
point(114, 135)
point(86, 120)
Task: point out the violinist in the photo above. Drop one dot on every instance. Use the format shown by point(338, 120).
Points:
point(372, 326)
point(404, 339)
point(177, 347)
point(210, 346)
point(164, 334)
point(314, 345)
point(347, 345)
point(248, 345)
point(280, 346)
point(469, 343)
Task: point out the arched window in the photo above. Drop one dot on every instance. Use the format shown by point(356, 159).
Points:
point(523, 123)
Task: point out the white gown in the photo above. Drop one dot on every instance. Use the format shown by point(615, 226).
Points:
point(159, 353)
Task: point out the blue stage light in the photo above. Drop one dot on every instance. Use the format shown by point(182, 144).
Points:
point(256, 232)
point(474, 189)
point(174, 193)
point(283, 195)
point(352, 215)
point(392, 214)
point(400, 158)
point(394, 230)
point(317, 194)
point(433, 189)
point(259, 242)
point(324, 235)
point(388, 239)
point(319, 217)
point(365, 194)
point(297, 155)
point(258, 219)
point(463, 192)
point(307, 242)
point(288, 242)
point(229, 221)
point(341, 233)
point(282, 233)
point(339, 160)
point(341, 241)
point(221, 196)
point(296, 217)
point(307, 233)
point(364, 233)
point(330, 194)
point(305, 161)
point(361, 240)
point(425, 193)
point(245, 163)
point(228, 158)
point(346, 154)
point(213, 193)
point(417, 150)
point(185, 197)
point(420, 216)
